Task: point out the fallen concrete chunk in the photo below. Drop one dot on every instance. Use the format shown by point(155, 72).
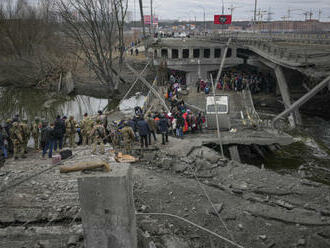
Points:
point(217, 207)
point(81, 166)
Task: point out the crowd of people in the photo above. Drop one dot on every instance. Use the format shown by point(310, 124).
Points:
point(63, 132)
point(49, 136)
point(237, 81)
point(95, 131)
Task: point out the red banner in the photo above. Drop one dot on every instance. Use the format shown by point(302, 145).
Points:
point(222, 19)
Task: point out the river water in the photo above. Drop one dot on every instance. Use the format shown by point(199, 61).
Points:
point(30, 103)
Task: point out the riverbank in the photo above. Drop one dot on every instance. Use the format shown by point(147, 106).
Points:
point(259, 207)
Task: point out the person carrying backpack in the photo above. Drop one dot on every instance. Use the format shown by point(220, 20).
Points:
point(98, 135)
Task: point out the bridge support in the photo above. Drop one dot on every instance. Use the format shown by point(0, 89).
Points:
point(303, 99)
point(294, 118)
point(192, 76)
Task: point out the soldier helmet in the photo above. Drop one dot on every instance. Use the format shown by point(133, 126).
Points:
point(98, 121)
point(15, 124)
point(8, 120)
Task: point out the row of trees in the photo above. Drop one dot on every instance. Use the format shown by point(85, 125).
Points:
point(40, 42)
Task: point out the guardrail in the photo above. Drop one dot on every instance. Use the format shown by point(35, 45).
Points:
point(304, 38)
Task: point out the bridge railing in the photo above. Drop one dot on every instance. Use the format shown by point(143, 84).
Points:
point(304, 38)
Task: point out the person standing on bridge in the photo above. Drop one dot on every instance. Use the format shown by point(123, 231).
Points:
point(144, 130)
point(198, 84)
point(163, 128)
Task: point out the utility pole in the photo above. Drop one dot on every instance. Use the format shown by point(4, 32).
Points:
point(223, 8)
point(204, 24)
point(142, 19)
point(151, 19)
point(255, 11)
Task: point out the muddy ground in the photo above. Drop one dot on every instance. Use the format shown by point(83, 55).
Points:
point(256, 207)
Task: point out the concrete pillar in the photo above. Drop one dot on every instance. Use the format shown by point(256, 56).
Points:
point(212, 53)
point(234, 52)
point(180, 53)
point(191, 53)
point(295, 118)
point(169, 52)
point(191, 78)
point(107, 209)
point(234, 154)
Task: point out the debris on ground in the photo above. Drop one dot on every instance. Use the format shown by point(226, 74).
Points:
point(88, 165)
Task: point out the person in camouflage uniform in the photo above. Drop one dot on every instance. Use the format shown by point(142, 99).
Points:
point(35, 132)
point(115, 135)
point(70, 126)
point(128, 137)
point(86, 128)
point(17, 139)
point(25, 130)
point(98, 134)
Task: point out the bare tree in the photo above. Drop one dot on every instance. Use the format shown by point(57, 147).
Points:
point(30, 50)
point(120, 10)
point(91, 24)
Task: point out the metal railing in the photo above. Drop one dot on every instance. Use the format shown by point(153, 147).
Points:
point(297, 37)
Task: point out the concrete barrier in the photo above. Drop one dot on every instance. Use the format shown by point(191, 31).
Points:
point(107, 209)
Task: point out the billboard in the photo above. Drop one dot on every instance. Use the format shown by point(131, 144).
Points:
point(222, 19)
point(147, 20)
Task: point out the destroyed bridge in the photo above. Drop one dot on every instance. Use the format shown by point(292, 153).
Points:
point(286, 55)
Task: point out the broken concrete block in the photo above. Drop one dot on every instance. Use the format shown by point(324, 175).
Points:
point(218, 207)
point(262, 237)
point(301, 242)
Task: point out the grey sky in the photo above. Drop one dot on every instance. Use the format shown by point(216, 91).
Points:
point(189, 9)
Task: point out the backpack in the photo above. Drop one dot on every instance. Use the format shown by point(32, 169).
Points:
point(65, 154)
point(100, 132)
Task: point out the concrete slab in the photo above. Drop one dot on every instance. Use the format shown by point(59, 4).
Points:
point(107, 209)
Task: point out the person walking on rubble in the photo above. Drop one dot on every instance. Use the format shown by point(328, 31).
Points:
point(163, 128)
point(3, 140)
point(98, 134)
point(36, 132)
point(144, 130)
point(7, 128)
point(47, 139)
point(17, 139)
point(59, 132)
point(86, 128)
point(128, 137)
point(153, 128)
point(70, 126)
point(25, 130)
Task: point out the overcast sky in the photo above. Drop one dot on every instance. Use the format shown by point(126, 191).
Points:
point(189, 9)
